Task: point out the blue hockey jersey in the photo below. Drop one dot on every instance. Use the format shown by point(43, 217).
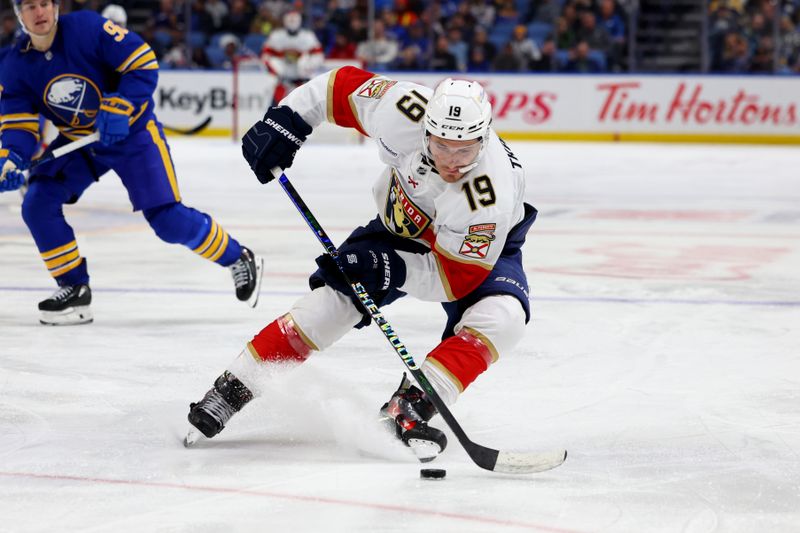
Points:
point(90, 57)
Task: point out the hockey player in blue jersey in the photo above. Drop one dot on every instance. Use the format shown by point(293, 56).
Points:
point(85, 74)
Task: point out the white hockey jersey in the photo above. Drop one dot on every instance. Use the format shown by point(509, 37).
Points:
point(465, 224)
point(293, 57)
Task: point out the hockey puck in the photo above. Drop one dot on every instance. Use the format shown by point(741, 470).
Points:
point(432, 473)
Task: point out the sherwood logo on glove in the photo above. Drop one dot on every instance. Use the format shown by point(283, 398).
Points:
point(283, 131)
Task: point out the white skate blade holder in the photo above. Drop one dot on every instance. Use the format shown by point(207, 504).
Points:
point(71, 316)
point(253, 300)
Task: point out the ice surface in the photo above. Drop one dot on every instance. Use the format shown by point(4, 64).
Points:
point(663, 355)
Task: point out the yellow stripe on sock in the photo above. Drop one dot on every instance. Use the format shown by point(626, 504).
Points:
point(50, 254)
point(62, 259)
point(66, 268)
point(212, 233)
point(212, 249)
point(221, 248)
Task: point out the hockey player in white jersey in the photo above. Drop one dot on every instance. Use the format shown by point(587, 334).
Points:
point(450, 226)
point(293, 54)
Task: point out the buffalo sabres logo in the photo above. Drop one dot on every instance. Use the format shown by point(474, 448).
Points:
point(74, 99)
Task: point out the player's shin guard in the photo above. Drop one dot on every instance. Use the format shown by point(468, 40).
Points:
point(407, 414)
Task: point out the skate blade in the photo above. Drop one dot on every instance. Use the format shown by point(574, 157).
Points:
point(253, 300)
point(192, 437)
point(425, 450)
point(71, 316)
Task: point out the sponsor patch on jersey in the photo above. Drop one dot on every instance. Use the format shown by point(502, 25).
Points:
point(375, 88)
point(477, 242)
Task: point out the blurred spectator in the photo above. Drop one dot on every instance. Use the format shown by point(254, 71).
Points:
point(408, 59)
point(325, 32)
point(506, 12)
point(735, 56)
point(394, 30)
point(457, 47)
point(8, 30)
point(595, 36)
point(199, 58)
point(581, 62)
point(343, 47)
point(442, 60)
point(483, 11)
point(230, 45)
point(565, 35)
point(168, 21)
point(263, 23)
point(763, 59)
point(478, 62)
point(480, 41)
point(610, 20)
point(506, 60)
point(523, 47)
point(381, 51)
point(217, 10)
point(175, 57)
point(356, 29)
point(201, 20)
point(407, 14)
point(547, 58)
point(543, 11)
point(418, 37)
point(239, 18)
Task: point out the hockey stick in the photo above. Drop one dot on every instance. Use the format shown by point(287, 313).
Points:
point(488, 458)
point(190, 131)
point(49, 155)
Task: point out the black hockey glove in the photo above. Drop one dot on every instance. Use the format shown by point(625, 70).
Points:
point(273, 141)
point(377, 266)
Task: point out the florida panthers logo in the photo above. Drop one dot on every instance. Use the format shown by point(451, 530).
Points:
point(401, 215)
point(74, 99)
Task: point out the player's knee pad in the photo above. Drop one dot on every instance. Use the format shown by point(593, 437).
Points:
point(324, 315)
point(499, 321)
point(175, 223)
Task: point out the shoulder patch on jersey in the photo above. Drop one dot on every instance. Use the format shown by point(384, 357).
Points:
point(477, 242)
point(375, 88)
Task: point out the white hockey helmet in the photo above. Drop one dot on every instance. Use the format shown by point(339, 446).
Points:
point(459, 110)
point(116, 14)
point(292, 21)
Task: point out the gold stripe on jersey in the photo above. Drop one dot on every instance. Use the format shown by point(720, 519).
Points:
point(355, 112)
point(139, 52)
point(146, 62)
point(165, 158)
point(135, 117)
point(486, 342)
point(329, 107)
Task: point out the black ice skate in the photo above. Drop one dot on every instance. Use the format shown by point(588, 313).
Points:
point(210, 414)
point(407, 414)
point(68, 306)
point(246, 272)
